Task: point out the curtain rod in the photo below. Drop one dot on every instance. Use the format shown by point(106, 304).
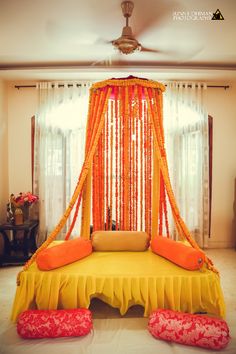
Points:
point(78, 85)
point(34, 86)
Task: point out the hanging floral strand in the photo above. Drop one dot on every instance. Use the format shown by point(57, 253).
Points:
point(95, 196)
point(111, 165)
point(131, 161)
point(150, 172)
point(106, 169)
point(145, 166)
point(126, 159)
point(166, 214)
point(160, 230)
point(78, 189)
point(116, 155)
point(141, 115)
point(121, 148)
point(136, 169)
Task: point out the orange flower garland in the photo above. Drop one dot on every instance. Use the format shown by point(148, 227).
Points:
point(79, 186)
point(116, 155)
point(124, 122)
point(141, 153)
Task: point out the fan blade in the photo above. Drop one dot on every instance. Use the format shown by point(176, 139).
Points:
point(102, 41)
point(152, 16)
point(149, 50)
point(107, 61)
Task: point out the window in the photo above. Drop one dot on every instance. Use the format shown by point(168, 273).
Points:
point(189, 160)
point(59, 142)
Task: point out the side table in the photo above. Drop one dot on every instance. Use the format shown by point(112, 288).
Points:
point(13, 247)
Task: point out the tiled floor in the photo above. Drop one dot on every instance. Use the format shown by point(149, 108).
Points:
point(113, 333)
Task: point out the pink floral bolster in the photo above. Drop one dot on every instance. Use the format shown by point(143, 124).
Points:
point(196, 330)
point(54, 323)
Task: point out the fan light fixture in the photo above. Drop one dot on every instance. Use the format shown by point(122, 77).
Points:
point(127, 44)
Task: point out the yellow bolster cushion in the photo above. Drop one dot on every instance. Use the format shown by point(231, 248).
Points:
point(178, 253)
point(120, 241)
point(65, 253)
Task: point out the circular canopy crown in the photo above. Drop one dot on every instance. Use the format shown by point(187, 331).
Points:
point(128, 81)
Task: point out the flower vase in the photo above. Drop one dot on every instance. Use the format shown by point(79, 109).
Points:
point(18, 217)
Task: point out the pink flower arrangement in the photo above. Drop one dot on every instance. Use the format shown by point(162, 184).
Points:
point(19, 205)
point(24, 198)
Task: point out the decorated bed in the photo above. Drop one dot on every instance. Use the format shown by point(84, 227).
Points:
point(124, 186)
point(121, 279)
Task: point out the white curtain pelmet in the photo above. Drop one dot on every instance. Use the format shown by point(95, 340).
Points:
point(60, 127)
point(186, 130)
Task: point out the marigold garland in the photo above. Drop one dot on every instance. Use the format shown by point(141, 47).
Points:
point(136, 169)
point(105, 171)
point(78, 189)
point(121, 180)
point(126, 159)
point(111, 165)
point(119, 110)
point(141, 153)
point(127, 82)
point(164, 168)
point(116, 155)
point(131, 161)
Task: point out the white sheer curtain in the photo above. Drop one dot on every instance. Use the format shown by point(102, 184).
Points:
point(186, 128)
point(59, 148)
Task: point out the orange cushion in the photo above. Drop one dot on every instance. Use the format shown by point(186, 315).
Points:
point(178, 253)
point(63, 254)
point(120, 241)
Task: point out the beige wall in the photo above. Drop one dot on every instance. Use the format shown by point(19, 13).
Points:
point(22, 105)
point(3, 152)
point(221, 105)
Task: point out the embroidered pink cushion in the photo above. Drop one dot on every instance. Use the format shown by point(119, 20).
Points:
point(196, 330)
point(54, 323)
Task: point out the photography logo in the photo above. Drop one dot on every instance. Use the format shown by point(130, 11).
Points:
point(197, 15)
point(217, 15)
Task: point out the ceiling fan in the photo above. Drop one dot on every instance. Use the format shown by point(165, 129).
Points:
point(127, 43)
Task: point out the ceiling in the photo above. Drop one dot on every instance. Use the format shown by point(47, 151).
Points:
point(68, 39)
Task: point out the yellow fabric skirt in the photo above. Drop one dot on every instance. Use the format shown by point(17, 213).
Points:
point(121, 279)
